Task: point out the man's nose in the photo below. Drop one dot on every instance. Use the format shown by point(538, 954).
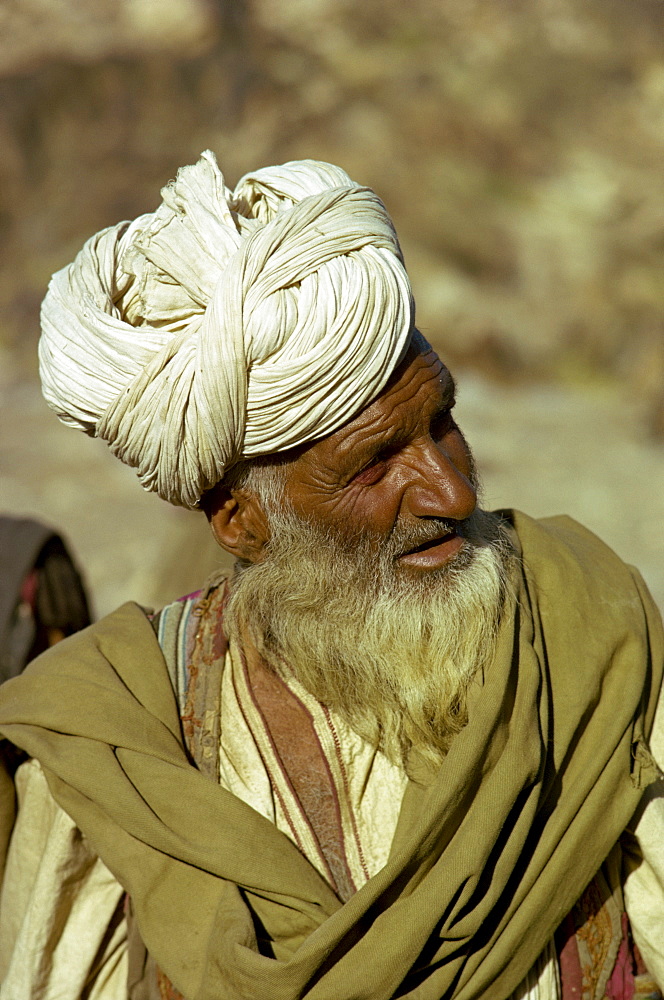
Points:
point(442, 485)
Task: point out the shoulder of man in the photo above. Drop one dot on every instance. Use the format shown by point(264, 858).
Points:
point(565, 562)
point(93, 682)
point(592, 612)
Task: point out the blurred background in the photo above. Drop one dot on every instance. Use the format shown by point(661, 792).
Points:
point(519, 149)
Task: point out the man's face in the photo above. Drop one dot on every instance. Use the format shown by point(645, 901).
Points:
point(381, 584)
point(400, 468)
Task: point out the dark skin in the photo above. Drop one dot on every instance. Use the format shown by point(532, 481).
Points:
point(400, 460)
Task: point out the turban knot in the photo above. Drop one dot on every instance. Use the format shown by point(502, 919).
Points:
point(227, 324)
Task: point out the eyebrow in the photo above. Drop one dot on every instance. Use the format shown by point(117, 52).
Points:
point(369, 450)
point(448, 388)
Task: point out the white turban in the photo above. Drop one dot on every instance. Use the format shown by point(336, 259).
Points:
point(227, 325)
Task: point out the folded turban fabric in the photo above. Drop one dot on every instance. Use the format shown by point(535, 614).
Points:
point(227, 324)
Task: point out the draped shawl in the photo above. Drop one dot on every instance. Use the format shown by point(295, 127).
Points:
point(488, 857)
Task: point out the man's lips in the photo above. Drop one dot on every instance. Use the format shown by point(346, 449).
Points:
point(435, 552)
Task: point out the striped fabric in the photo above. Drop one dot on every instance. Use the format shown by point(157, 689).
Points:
point(329, 787)
point(176, 626)
point(334, 795)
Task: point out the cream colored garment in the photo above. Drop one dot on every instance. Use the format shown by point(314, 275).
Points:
point(62, 930)
point(373, 795)
point(369, 787)
point(53, 885)
point(227, 324)
point(646, 913)
point(543, 980)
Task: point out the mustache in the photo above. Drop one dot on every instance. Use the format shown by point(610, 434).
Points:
point(407, 538)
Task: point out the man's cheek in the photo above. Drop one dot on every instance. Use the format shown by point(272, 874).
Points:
point(367, 511)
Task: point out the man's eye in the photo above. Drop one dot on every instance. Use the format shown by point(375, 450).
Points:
point(372, 471)
point(442, 423)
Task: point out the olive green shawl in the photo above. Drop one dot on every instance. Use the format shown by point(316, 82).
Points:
point(487, 859)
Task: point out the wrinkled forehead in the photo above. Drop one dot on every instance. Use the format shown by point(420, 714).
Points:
point(420, 372)
point(419, 386)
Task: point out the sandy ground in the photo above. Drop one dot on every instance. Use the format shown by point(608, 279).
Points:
point(544, 449)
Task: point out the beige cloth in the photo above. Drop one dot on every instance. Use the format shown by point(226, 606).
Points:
point(62, 927)
point(644, 897)
point(369, 786)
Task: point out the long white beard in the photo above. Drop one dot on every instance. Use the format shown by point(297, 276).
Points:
point(391, 652)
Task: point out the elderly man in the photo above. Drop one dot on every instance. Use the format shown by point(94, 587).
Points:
point(405, 751)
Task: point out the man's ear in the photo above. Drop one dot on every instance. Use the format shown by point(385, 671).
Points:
point(238, 522)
